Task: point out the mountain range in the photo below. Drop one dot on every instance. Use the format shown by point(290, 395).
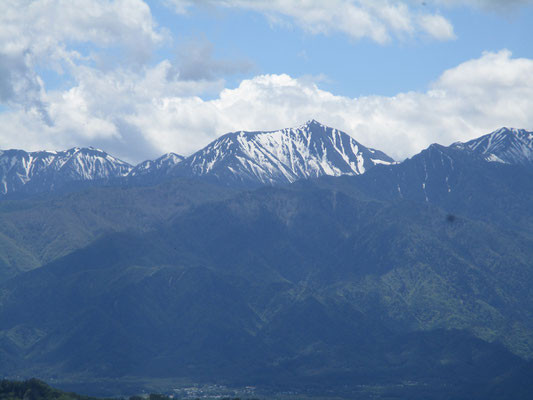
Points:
point(374, 279)
point(249, 159)
point(47, 170)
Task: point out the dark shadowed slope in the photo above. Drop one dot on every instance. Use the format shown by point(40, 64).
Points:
point(289, 287)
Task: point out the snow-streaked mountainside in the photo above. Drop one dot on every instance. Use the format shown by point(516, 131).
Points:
point(282, 156)
point(438, 171)
point(506, 145)
point(45, 170)
point(242, 158)
point(163, 164)
point(257, 158)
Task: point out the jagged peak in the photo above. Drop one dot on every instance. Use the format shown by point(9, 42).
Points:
point(314, 126)
point(169, 156)
point(172, 154)
point(431, 150)
point(166, 161)
point(506, 129)
point(83, 150)
point(284, 155)
point(505, 145)
point(48, 170)
point(307, 126)
point(314, 122)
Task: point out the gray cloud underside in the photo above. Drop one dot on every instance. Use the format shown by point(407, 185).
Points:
point(195, 61)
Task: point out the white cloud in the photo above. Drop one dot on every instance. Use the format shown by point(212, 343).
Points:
point(141, 111)
point(105, 109)
point(142, 114)
point(44, 28)
point(379, 20)
point(437, 26)
point(41, 33)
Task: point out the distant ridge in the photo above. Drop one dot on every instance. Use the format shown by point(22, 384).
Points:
point(161, 165)
point(438, 172)
point(251, 159)
point(506, 145)
point(41, 171)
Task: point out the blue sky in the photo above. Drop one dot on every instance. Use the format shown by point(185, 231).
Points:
point(348, 66)
point(141, 78)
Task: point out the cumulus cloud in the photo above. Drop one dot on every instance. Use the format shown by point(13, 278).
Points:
point(141, 114)
point(43, 28)
point(103, 110)
point(40, 34)
point(379, 20)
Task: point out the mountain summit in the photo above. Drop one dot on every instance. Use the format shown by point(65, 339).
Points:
point(47, 170)
point(506, 145)
point(442, 174)
point(282, 156)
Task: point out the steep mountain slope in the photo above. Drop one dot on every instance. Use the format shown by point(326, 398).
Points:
point(45, 170)
point(38, 230)
point(292, 287)
point(241, 158)
point(460, 180)
point(284, 156)
point(506, 145)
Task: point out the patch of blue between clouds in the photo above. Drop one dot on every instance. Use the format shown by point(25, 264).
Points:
point(350, 67)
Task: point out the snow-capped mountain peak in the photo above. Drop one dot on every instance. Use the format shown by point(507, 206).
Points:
point(283, 156)
point(44, 170)
point(163, 165)
point(506, 145)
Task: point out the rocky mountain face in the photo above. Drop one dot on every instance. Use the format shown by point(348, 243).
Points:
point(284, 156)
point(444, 174)
point(248, 159)
point(48, 170)
point(506, 145)
point(252, 159)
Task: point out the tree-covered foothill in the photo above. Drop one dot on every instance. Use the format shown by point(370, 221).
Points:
point(34, 389)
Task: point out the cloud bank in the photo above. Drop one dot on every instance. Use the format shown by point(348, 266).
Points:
point(39, 34)
point(141, 114)
point(137, 109)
